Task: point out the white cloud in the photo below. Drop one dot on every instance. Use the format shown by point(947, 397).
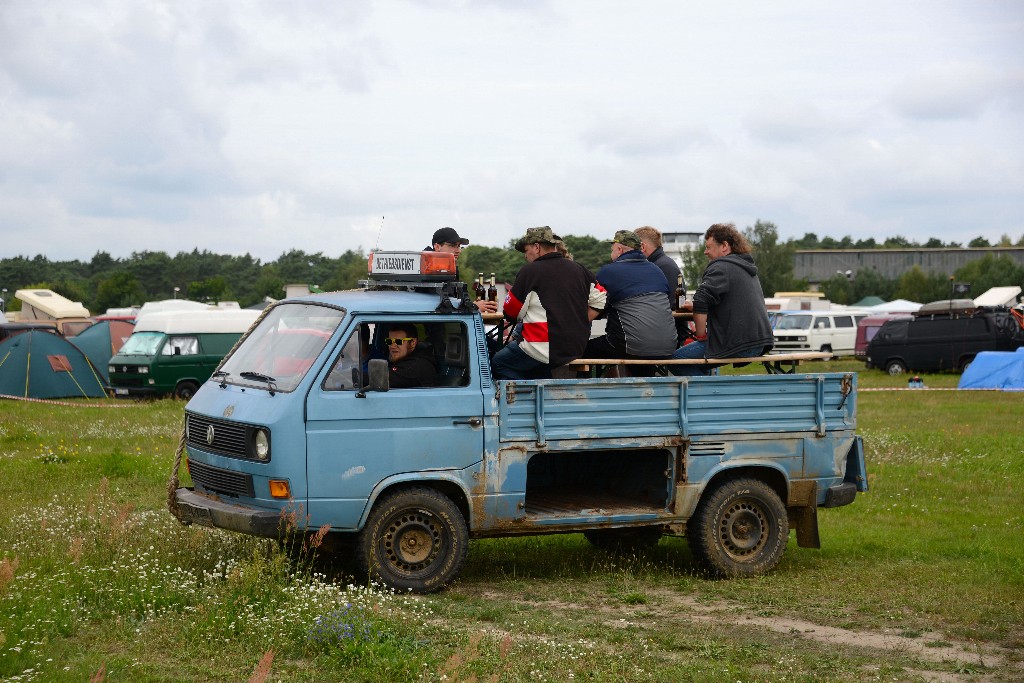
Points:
point(263, 127)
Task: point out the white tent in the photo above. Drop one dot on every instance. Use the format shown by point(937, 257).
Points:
point(897, 306)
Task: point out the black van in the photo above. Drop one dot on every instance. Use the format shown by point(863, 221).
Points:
point(943, 339)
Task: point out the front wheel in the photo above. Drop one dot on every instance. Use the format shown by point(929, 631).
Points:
point(185, 390)
point(740, 529)
point(895, 367)
point(415, 540)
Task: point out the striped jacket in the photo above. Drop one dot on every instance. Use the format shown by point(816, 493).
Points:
point(551, 296)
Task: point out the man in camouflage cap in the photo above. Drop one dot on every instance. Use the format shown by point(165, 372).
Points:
point(555, 298)
point(640, 322)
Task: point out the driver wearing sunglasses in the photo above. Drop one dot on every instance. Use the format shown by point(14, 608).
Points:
point(410, 365)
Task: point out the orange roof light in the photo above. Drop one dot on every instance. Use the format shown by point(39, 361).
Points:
point(411, 265)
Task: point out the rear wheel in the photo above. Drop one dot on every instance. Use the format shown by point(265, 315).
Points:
point(415, 540)
point(895, 367)
point(185, 390)
point(740, 529)
point(629, 540)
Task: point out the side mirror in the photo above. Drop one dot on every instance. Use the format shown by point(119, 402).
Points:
point(377, 369)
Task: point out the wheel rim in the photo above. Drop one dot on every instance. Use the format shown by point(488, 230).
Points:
point(743, 529)
point(412, 542)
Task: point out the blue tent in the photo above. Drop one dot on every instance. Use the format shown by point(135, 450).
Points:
point(43, 365)
point(100, 342)
point(995, 370)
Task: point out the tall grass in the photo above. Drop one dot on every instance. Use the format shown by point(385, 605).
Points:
point(98, 581)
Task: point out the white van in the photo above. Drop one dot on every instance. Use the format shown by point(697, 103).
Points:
point(831, 331)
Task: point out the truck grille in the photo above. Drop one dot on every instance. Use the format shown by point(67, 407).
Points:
point(216, 480)
point(218, 436)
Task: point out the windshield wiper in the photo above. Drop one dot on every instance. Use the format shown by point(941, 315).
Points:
point(271, 382)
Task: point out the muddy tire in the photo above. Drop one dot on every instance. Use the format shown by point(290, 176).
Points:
point(415, 540)
point(624, 541)
point(185, 390)
point(739, 529)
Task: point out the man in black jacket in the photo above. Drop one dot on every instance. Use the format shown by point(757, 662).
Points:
point(651, 246)
point(409, 366)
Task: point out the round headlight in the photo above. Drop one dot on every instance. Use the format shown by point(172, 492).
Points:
point(262, 444)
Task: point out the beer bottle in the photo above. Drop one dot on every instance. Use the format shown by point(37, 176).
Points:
point(492, 291)
point(478, 287)
point(680, 292)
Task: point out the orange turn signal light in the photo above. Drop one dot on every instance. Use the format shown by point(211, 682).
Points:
point(279, 488)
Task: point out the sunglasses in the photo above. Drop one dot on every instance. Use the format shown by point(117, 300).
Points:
point(398, 340)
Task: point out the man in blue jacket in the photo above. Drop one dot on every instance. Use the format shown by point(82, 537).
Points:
point(640, 323)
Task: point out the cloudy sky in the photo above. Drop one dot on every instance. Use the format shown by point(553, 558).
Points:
point(259, 127)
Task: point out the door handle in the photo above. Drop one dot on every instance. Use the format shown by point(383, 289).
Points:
point(472, 422)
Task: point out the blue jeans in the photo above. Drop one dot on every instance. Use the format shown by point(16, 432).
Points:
point(692, 350)
point(696, 350)
point(514, 363)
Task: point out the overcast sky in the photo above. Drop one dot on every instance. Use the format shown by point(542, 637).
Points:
point(260, 127)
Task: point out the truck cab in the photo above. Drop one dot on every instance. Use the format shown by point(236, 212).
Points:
point(299, 431)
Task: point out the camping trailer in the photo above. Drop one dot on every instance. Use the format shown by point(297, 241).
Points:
point(174, 352)
point(47, 306)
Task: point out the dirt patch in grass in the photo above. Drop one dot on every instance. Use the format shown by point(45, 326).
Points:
point(664, 608)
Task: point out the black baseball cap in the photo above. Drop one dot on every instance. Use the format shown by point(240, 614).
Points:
point(448, 236)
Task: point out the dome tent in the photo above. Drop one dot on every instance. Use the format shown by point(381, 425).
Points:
point(43, 365)
point(100, 342)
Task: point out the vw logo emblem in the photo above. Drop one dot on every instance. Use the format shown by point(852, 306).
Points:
point(209, 435)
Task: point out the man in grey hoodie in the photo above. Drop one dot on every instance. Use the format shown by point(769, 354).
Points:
point(729, 316)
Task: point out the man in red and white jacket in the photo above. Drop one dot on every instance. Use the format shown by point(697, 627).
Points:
point(556, 299)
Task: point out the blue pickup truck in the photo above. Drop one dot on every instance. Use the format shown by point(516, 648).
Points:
point(299, 430)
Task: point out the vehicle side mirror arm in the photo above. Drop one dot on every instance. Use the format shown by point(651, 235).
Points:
point(377, 369)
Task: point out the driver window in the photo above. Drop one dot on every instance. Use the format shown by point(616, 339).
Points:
point(181, 346)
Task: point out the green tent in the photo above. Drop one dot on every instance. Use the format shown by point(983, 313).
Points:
point(43, 365)
point(869, 301)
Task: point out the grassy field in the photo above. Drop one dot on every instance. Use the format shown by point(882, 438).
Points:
point(921, 579)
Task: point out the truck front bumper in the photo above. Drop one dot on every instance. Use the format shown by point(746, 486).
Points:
point(211, 511)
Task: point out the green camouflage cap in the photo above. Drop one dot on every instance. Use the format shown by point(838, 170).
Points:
point(534, 235)
point(627, 238)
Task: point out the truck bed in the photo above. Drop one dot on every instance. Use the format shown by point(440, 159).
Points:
point(641, 408)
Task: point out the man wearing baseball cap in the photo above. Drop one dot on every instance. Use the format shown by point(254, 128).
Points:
point(556, 299)
point(640, 323)
point(447, 240)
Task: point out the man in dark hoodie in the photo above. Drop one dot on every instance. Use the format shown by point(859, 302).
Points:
point(729, 316)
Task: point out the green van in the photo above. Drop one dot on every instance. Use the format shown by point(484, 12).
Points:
point(174, 352)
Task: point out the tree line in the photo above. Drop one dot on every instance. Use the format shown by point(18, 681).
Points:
point(106, 282)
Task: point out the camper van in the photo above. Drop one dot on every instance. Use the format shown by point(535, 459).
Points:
point(868, 327)
point(944, 335)
point(174, 352)
point(831, 331)
point(49, 307)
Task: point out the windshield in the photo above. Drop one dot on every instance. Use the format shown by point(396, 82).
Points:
point(281, 350)
point(794, 322)
point(142, 344)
